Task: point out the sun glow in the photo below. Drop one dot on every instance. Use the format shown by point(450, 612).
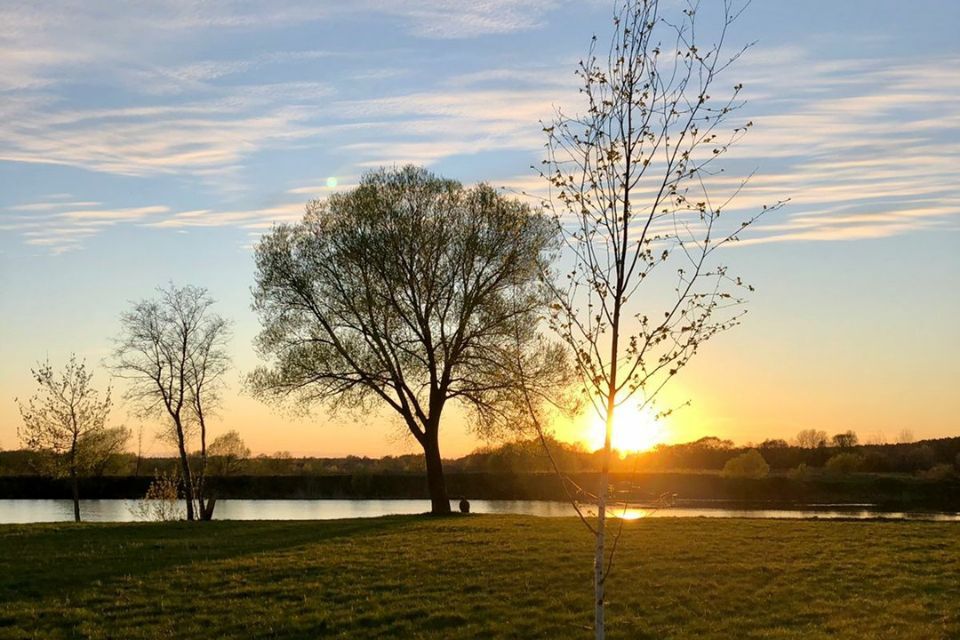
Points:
point(634, 429)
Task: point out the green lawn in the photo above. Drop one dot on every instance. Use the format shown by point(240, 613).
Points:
point(479, 576)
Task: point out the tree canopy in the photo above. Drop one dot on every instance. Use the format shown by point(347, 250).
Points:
point(409, 291)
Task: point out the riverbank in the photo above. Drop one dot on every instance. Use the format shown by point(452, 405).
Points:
point(885, 491)
point(479, 576)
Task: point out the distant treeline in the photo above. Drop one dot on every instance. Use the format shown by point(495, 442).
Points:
point(527, 456)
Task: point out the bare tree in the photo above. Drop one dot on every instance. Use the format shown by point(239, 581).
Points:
point(67, 420)
point(905, 436)
point(812, 439)
point(172, 353)
point(404, 292)
point(630, 187)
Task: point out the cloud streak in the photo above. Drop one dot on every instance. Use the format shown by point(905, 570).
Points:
point(864, 148)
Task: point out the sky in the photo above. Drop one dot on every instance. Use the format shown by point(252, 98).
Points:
point(144, 143)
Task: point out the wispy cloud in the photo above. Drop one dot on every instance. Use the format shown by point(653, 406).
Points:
point(142, 141)
point(450, 19)
point(864, 147)
point(62, 226)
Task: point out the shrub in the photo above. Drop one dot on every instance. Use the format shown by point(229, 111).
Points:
point(746, 465)
point(938, 472)
point(801, 472)
point(874, 460)
point(921, 457)
point(160, 503)
point(845, 463)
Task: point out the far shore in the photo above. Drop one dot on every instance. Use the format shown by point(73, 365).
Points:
point(900, 492)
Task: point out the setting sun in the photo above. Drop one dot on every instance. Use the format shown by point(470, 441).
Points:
point(634, 429)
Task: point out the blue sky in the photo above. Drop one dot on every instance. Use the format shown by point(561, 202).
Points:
point(148, 142)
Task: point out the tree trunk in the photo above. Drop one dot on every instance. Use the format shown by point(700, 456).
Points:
point(439, 501)
point(185, 470)
point(205, 503)
point(599, 579)
point(207, 510)
point(599, 559)
point(75, 483)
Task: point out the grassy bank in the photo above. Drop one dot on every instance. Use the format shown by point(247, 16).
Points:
point(479, 576)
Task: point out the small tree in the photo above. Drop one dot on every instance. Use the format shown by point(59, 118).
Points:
point(845, 440)
point(172, 353)
point(227, 454)
point(405, 292)
point(629, 183)
point(746, 465)
point(67, 421)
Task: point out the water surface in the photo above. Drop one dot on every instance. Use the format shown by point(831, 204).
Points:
point(24, 511)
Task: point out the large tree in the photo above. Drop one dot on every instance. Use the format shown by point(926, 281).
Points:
point(172, 353)
point(66, 419)
point(408, 291)
point(630, 185)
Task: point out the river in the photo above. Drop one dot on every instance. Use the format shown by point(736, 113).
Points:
point(26, 511)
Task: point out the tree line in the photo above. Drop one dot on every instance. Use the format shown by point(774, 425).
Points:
point(229, 456)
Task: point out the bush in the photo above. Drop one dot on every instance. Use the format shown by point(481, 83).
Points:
point(801, 472)
point(746, 465)
point(874, 460)
point(161, 502)
point(921, 457)
point(845, 463)
point(938, 472)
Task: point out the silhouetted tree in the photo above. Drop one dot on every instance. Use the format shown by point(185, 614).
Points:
point(628, 183)
point(812, 439)
point(172, 352)
point(406, 291)
point(774, 443)
point(67, 421)
point(227, 454)
point(845, 440)
point(711, 443)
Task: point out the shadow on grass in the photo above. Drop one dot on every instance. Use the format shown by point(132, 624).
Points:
point(54, 560)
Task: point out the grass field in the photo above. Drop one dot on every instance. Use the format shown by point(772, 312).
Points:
point(479, 576)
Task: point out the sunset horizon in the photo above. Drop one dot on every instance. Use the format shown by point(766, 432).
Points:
point(159, 157)
point(498, 319)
